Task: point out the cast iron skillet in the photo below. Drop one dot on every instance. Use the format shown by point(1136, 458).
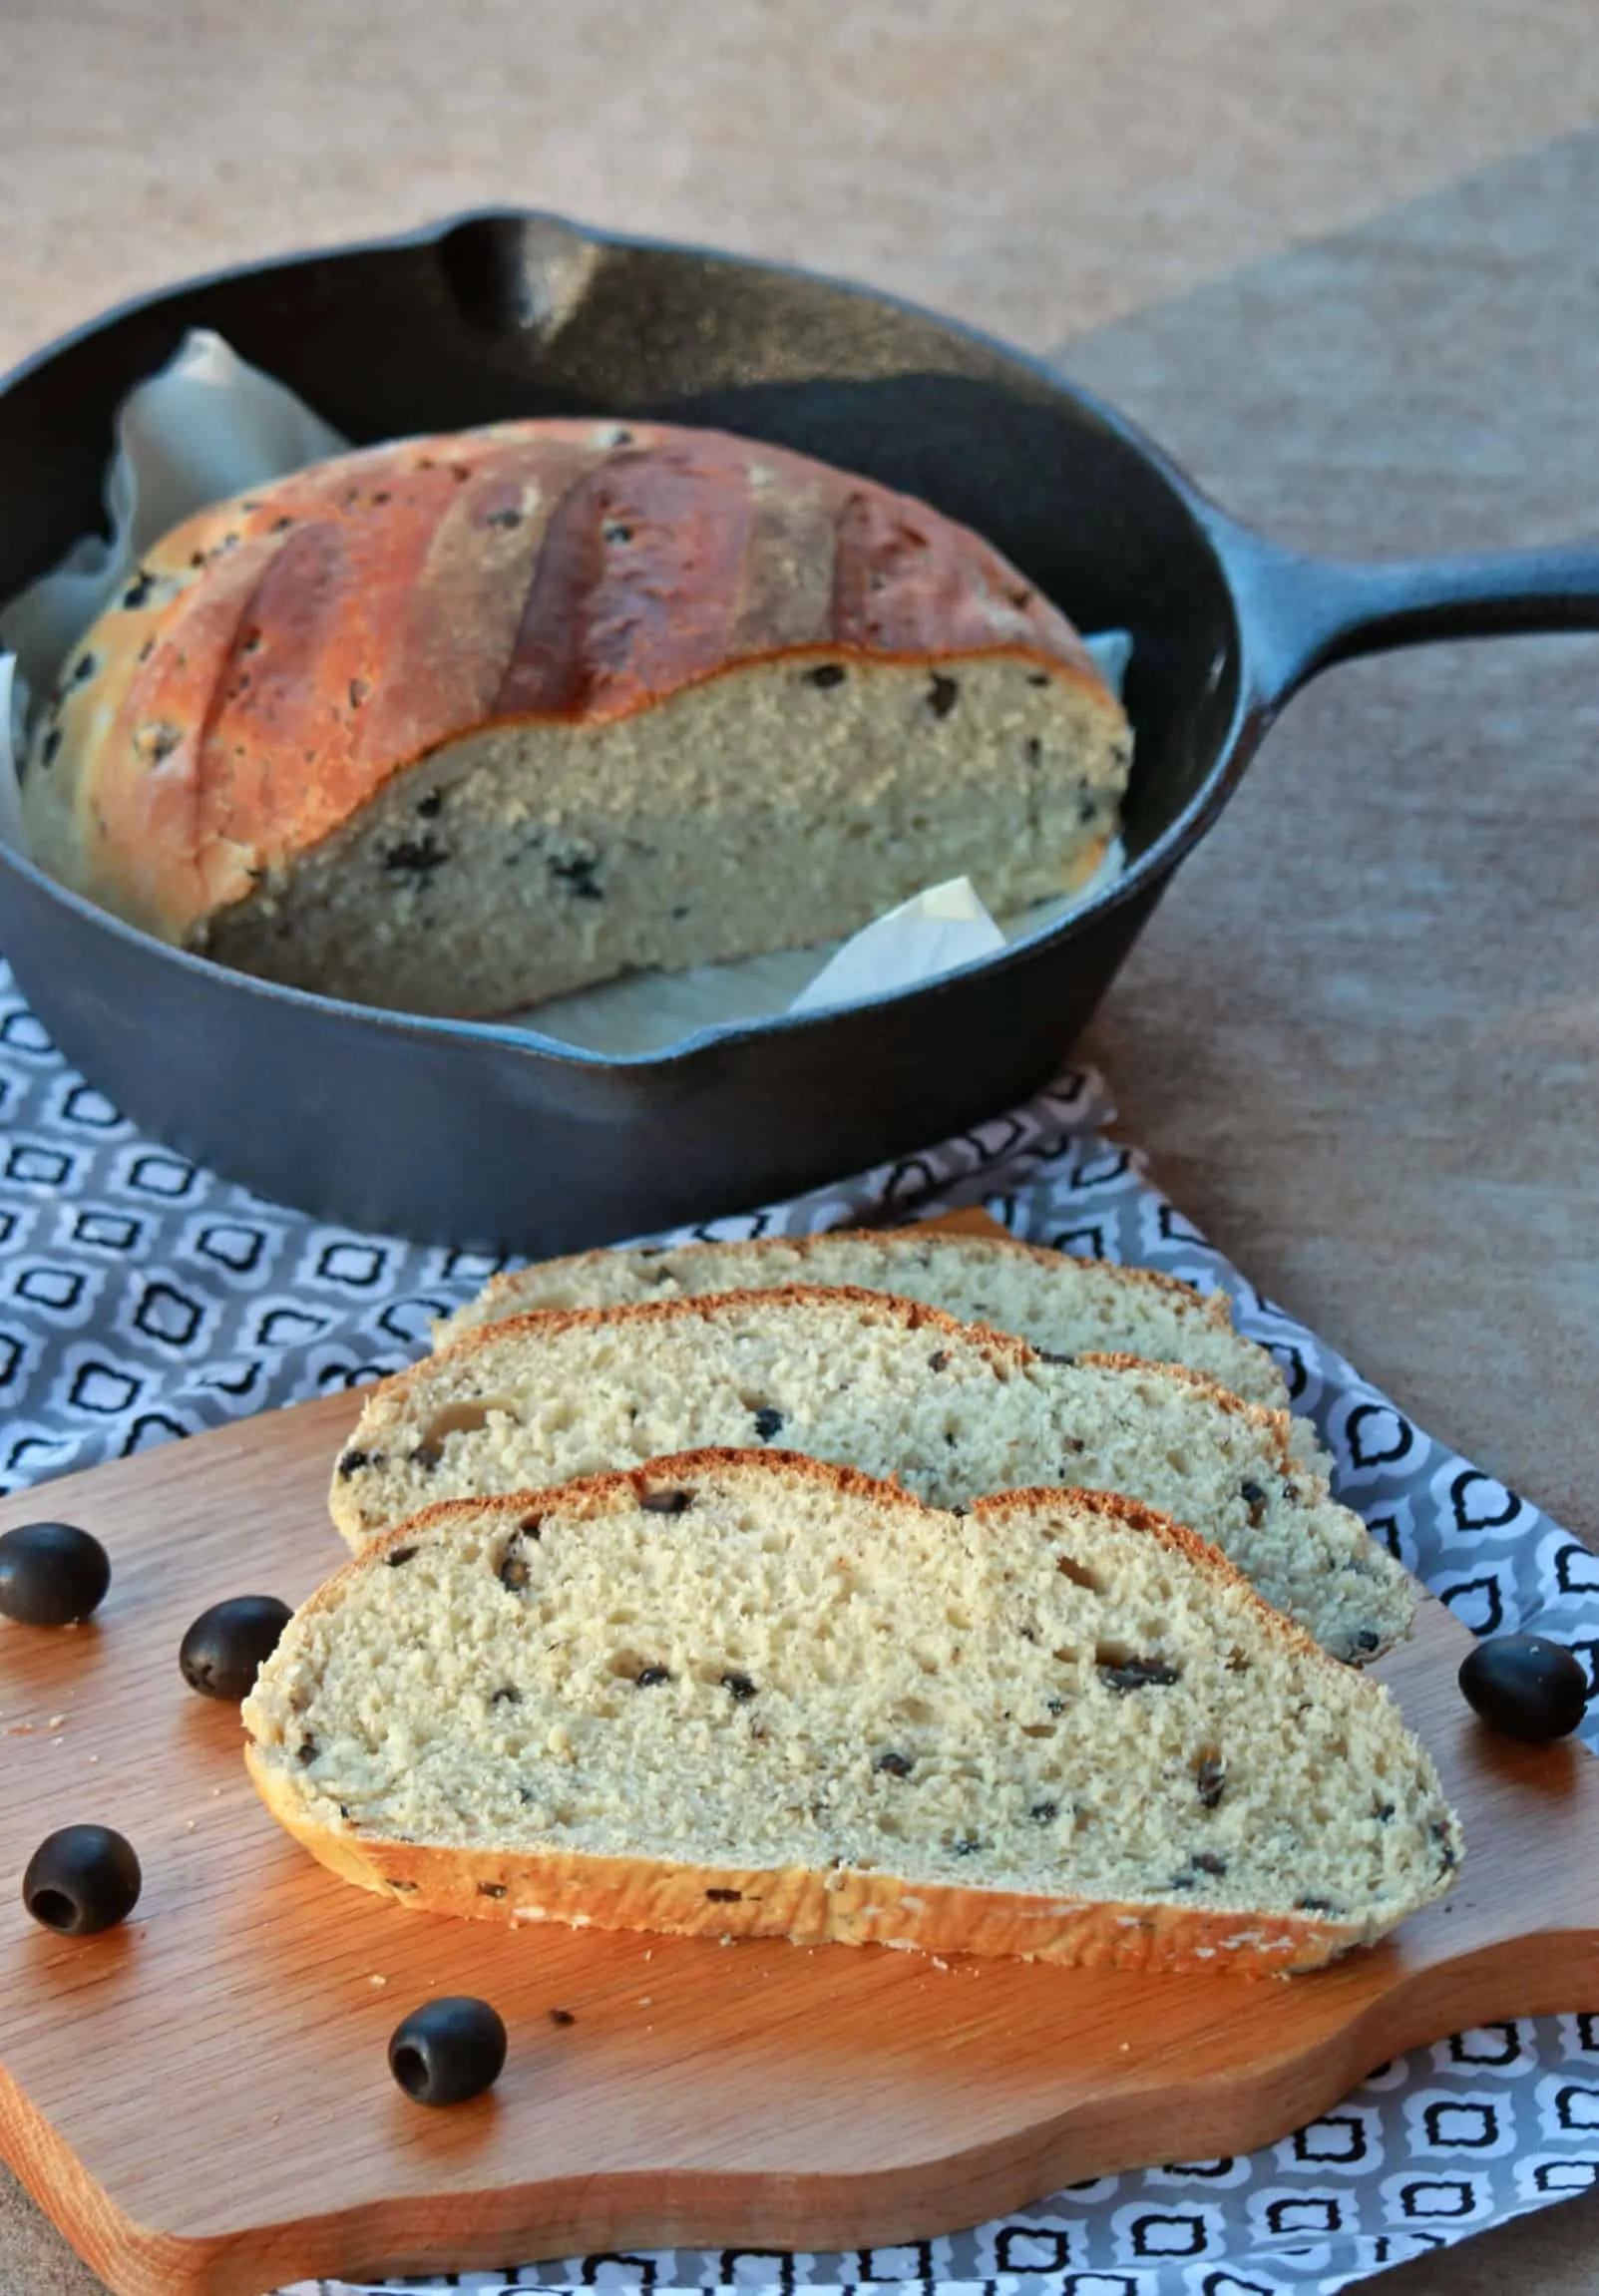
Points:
point(494, 1137)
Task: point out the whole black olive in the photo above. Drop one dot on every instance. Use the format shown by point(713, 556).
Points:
point(83, 1879)
point(227, 1646)
point(448, 2049)
point(52, 1574)
point(1525, 1686)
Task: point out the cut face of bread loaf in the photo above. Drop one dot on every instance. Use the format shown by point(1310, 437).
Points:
point(884, 1385)
point(1059, 1305)
point(460, 723)
point(745, 1695)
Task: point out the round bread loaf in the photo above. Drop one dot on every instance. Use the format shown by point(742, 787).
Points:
point(458, 723)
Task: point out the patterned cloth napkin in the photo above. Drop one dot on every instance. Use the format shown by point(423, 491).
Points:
point(141, 1300)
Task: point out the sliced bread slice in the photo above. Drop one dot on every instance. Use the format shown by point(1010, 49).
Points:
point(1064, 1306)
point(748, 1694)
point(884, 1385)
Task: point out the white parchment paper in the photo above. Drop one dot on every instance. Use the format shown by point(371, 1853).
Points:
point(210, 424)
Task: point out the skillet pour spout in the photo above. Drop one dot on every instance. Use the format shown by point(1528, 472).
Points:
point(495, 1138)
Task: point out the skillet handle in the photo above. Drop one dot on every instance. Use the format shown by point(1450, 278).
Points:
point(1302, 615)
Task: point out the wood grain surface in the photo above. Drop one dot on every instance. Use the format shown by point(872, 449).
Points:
point(1340, 256)
point(201, 2100)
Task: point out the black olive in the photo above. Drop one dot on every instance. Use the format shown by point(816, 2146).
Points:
point(1137, 1674)
point(667, 1502)
point(83, 1879)
point(448, 2049)
point(227, 1647)
point(1525, 1686)
point(52, 1574)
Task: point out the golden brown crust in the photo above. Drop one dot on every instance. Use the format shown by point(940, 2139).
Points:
point(279, 657)
point(839, 1905)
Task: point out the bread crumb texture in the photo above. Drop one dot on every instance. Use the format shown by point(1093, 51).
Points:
point(1058, 1303)
point(885, 1385)
point(747, 1694)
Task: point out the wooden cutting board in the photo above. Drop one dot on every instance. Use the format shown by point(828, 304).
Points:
point(201, 2100)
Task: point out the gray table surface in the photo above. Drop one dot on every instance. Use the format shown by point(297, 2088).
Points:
point(1341, 258)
